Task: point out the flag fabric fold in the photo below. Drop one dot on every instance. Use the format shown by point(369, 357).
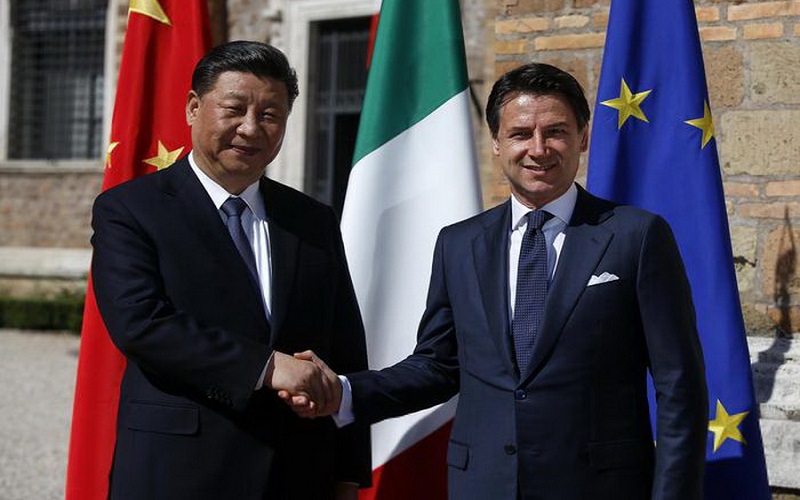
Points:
point(163, 41)
point(653, 147)
point(414, 172)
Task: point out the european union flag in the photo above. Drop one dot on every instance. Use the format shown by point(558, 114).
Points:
point(653, 146)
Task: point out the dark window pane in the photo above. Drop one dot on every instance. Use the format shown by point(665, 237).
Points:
point(57, 83)
point(338, 77)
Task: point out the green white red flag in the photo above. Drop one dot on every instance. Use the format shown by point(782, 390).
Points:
point(415, 171)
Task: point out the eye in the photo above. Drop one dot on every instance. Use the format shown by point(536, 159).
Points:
point(232, 110)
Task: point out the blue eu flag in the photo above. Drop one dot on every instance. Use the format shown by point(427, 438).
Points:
point(653, 147)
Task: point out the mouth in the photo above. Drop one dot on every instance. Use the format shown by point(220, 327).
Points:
point(538, 168)
point(245, 150)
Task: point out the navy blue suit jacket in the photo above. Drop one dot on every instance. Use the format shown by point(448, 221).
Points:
point(575, 425)
point(176, 299)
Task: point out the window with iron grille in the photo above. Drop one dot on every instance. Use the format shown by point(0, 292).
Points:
point(337, 79)
point(56, 108)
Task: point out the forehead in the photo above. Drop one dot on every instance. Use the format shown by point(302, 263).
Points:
point(539, 108)
point(240, 83)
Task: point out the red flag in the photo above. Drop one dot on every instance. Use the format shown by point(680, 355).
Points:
point(163, 42)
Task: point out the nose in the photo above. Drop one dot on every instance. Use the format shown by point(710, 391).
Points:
point(248, 125)
point(536, 146)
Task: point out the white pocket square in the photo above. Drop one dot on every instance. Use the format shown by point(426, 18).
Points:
point(603, 278)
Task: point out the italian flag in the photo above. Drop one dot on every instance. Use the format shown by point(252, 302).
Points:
point(415, 171)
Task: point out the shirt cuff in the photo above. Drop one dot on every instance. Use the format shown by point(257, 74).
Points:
point(345, 414)
point(260, 381)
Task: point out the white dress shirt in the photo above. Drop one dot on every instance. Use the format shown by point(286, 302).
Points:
point(256, 228)
point(254, 223)
point(561, 208)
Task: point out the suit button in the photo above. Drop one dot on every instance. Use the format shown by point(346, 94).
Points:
point(520, 394)
point(510, 449)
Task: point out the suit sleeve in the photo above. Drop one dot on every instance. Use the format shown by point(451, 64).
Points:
point(427, 377)
point(349, 353)
point(146, 326)
point(676, 365)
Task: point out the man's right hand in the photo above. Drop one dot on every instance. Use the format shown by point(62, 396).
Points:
point(303, 382)
point(303, 403)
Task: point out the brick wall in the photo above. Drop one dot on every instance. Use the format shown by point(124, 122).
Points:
point(46, 209)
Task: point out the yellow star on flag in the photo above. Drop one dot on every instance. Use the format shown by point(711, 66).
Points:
point(165, 157)
point(628, 104)
point(706, 124)
point(111, 147)
point(726, 426)
point(149, 8)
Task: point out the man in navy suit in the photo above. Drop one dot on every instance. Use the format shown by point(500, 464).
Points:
point(558, 410)
point(205, 324)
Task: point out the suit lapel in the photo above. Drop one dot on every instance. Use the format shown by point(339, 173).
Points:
point(284, 247)
point(584, 245)
point(203, 219)
point(490, 252)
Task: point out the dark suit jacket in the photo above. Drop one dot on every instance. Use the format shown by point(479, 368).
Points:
point(176, 299)
point(576, 424)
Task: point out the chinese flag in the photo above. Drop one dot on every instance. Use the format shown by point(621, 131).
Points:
point(163, 42)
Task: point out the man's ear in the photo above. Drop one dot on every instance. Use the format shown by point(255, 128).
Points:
point(192, 103)
point(585, 139)
point(495, 146)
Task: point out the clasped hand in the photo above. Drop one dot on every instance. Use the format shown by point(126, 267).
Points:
point(305, 383)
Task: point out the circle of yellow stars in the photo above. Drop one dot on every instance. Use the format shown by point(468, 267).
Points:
point(629, 104)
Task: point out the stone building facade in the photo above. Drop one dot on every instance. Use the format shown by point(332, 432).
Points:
point(752, 56)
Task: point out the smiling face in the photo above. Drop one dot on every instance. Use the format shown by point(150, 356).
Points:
point(539, 146)
point(238, 127)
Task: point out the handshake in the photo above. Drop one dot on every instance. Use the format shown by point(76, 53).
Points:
point(305, 383)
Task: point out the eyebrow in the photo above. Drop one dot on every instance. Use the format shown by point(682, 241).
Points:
point(547, 126)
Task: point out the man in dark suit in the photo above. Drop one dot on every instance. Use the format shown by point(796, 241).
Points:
point(204, 300)
point(549, 351)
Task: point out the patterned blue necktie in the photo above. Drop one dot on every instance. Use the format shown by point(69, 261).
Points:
point(233, 208)
point(531, 288)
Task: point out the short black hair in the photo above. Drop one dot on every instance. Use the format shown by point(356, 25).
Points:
point(536, 79)
point(258, 58)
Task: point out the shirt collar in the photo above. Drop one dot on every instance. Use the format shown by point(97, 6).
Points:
point(251, 195)
point(561, 208)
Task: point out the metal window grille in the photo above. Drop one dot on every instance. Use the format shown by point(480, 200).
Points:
point(338, 77)
point(56, 109)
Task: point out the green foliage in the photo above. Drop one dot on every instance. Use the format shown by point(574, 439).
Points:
point(60, 312)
